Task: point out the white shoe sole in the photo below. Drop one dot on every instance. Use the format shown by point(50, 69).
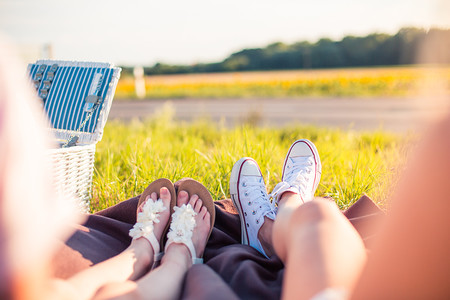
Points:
point(313, 148)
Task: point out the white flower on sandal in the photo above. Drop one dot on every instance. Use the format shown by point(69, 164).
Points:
point(183, 224)
point(146, 218)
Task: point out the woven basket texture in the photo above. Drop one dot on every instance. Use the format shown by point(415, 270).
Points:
point(73, 169)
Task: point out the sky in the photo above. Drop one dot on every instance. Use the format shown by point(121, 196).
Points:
point(143, 32)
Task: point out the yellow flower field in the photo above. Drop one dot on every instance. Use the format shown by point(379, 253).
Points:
point(355, 82)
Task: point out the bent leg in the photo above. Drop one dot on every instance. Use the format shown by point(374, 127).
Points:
point(319, 246)
point(129, 265)
point(289, 202)
point(132, 263)
point(165, 282)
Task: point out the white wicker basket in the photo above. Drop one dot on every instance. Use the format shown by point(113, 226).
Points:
point(77, 97)
point(73, 168)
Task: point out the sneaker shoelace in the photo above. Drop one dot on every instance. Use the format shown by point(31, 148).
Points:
point(258, 199)
point(297, 172)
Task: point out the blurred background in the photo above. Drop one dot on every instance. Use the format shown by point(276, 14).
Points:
point(353, 64)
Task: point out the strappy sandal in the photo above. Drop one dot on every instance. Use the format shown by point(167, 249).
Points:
point(183, 221)
point(150, 215)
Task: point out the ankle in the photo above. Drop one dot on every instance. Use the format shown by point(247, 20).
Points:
point(289, 197)
point(179, 255)
point(142, 250)
point(265, 236)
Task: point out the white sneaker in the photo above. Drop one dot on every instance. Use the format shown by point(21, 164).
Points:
point(301, 171)
point(249, 195)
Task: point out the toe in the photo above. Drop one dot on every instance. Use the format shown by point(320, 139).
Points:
point(203, 212)
point(154, 196)
point(141, 207)
point(193, 200)
point(207, 219)
point(183, 197)
point(198, 205)
point(165, 195)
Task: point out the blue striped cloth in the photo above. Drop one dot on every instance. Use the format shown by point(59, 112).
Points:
point(68, 91)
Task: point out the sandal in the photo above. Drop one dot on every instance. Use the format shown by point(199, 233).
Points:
point(183, 222)
point(149, 215)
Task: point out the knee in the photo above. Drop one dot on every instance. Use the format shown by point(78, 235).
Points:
point(314, 211)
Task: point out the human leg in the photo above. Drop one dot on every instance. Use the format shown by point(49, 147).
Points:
point(300, 176)
point(131, 264)
point(313, 238)
point(287, 205)
point(409, 260)
point(319, 246)
point(165, 281)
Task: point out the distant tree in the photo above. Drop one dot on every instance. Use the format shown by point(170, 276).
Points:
point(408, 46)
point(326, 54)
point(363, 51)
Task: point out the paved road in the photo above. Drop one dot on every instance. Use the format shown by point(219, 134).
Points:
point(397, 115)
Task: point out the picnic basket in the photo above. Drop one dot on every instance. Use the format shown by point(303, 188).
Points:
point(76, 97)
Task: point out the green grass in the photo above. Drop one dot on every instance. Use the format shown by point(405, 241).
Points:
point(132, 155)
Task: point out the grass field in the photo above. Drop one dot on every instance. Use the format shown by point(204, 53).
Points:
point(131, 156)
point(360, 82)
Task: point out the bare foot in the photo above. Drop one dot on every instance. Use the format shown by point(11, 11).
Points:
point(202, 224)
point(202, 227)
point(163, 217)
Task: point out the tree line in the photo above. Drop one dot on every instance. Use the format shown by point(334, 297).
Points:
point(376, 49)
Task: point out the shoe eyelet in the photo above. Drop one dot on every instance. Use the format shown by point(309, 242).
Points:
point(260, 207)
point(249, 202)
point(248, 225)
point(245, 214)
point(244, 184)
point(253, 212)
point(257, 221)
point(246, 194)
